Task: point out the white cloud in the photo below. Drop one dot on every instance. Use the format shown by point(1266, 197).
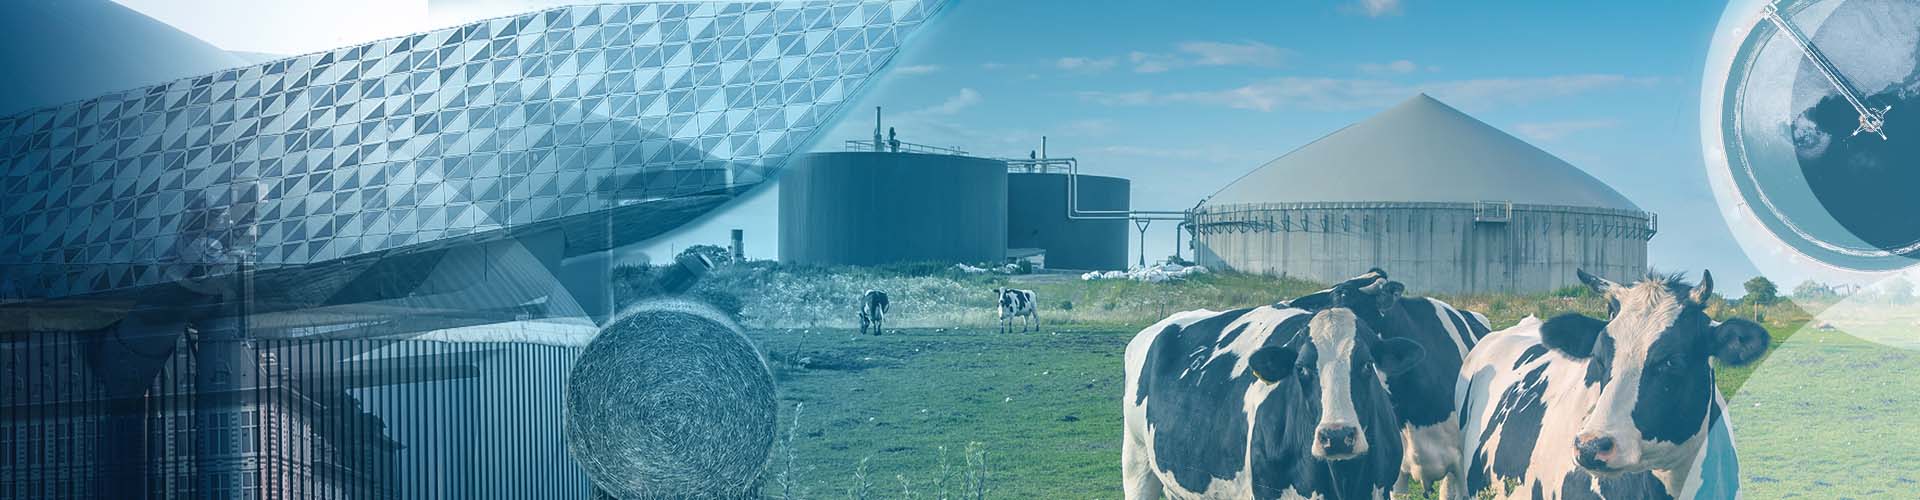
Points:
point(1202, 53)
point(1333, 94)
point(967, 98)
point(1085, 63)
point(1397, 67)
point(1550, 131)
point(1148, 62)
point(1134, 98)
point(1234, 54)
point(917, 70)
point(1377, 8)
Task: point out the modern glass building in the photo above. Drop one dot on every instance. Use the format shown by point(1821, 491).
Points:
point(288, 280)
point(509, 123)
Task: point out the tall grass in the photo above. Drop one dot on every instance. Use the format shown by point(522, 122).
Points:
point(931, 295)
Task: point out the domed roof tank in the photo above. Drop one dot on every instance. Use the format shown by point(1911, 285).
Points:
point(1421, 151)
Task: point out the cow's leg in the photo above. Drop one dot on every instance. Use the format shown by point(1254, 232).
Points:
point(1137, 479)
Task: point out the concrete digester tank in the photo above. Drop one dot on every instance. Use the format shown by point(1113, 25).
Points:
point(868, 208)
point(1037, 218)
point(1442, 201)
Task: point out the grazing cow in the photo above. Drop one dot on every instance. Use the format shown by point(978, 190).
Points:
point(1626, 407)
point(1017, 304)
point(1267, 402)
point(1423, 396)
point(873, 311)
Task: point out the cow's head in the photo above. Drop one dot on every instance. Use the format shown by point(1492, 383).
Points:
point(1342, 361)
point(1649, 360)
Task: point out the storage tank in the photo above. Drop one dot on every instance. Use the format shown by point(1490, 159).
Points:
point(1440, 200)
point(868, 208)
point(1037, 218)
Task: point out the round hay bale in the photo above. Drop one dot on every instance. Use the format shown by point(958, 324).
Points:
point(671, 401)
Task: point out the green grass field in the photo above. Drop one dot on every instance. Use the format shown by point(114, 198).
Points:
point(1044, 407)
point(1829, 415)
point(880, 415)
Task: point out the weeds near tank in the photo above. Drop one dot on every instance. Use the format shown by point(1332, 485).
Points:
point(862, 488)
point(977, 473)
point(945, 481)
point(906, 487)
point(786, 477)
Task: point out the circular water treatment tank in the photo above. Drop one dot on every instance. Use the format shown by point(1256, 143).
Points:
point(1821, 154)
point(869, 208)
point(1037, 218)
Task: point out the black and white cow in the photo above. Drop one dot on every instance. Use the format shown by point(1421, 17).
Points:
point(1423, 395)
point(1016, 304)
point(1626, 407)
point(1268, 402)
point(873, 311)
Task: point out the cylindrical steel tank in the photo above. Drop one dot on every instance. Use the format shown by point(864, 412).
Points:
point(1037, 218)
point(868, 208)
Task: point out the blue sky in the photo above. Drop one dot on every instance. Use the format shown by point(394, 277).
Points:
point(1184, 99)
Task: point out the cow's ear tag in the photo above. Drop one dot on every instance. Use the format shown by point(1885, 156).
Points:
point(1272, 364)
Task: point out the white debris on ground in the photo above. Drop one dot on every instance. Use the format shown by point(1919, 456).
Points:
point(1006, 269)
point(1152, 274)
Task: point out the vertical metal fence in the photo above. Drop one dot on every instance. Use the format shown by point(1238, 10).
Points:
point(322, 419)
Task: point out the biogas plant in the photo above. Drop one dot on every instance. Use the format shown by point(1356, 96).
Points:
point(885, 201)
point(1420, 188)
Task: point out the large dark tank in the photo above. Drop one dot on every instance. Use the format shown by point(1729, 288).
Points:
point(869, 208)
point(1037, 218)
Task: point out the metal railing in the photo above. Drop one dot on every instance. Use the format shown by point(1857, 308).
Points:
point(904, 147)
point(1493, 211)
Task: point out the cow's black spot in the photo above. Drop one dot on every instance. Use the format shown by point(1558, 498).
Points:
point(1578, 485)
point(1518, 417)
point(1600, 364)
point(1231, 335)
point(1676, 385)
point(1424, 394)
point(1533, 352)
point(1572, 334)
point(1467, 334)
point(1189, 402)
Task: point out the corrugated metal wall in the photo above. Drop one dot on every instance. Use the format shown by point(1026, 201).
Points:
point(327, 419)
point(868, 208)
point(1431, 247)
point(1037, 218)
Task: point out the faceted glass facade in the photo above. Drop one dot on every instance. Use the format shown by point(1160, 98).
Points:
point(502, 123)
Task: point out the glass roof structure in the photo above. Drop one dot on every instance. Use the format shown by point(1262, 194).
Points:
point(506, 124)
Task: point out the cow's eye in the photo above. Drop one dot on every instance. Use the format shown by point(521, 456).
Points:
point(1666, 366)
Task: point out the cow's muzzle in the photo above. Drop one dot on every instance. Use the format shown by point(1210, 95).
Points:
point(1594, 452)
point(1338, 442)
